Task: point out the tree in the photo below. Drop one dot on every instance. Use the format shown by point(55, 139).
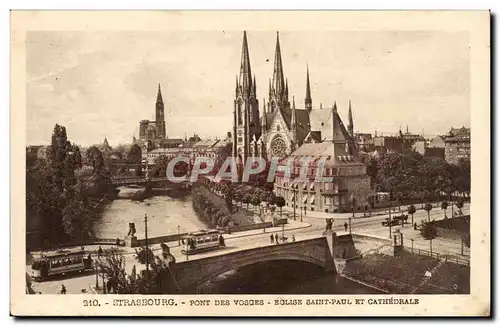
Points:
point(256, 200)
point(135, 157)
point(444, 206)
point(77, 220)
point(428, 231)
point(428, 208)
point(280, 202)
point(411, 211)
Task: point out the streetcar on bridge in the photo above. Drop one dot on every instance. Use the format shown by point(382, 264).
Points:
point(202, 241)
point(59, 262)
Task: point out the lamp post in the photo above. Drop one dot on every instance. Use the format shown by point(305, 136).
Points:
point(412, 245)
point(103, 283)
point(178, 233)
point(146, 242)
point(294, 201)
point(283, 232)
point(301, 213)
point(96, 274)
point(390, 219)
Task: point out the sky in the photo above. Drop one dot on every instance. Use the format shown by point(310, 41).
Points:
point(102, 84)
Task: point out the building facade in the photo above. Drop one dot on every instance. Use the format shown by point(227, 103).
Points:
point(457, 145)
point(349, 179)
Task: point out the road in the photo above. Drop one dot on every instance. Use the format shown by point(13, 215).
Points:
point(312, 226)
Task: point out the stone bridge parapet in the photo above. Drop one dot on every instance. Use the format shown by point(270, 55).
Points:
point(194, 272)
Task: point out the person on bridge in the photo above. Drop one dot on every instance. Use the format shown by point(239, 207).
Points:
point(272, 238)
point(276, 238)
point(293, 237)
point(345, 226)
point(99, 252)
point(63, 289)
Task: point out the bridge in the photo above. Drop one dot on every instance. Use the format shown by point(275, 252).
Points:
point(138, 181)
point(193, 272)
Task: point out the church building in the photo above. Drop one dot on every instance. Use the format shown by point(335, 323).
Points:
point(154, 130)
point(283, 126)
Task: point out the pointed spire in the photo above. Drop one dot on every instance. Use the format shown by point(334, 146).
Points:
point(254, 86)
point(264, 105)
point(278, 77)
point(293, 123)
point(286, 89)
point(350, 126)
point(245, 80)
point(308, 100)
point(335, 106)
point(159, 98)
point(407, 129)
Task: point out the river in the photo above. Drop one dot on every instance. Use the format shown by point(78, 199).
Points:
point(166, 213)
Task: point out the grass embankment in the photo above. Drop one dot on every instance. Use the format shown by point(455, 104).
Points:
point(400, 274)
point(448, 278)
point(214, 209)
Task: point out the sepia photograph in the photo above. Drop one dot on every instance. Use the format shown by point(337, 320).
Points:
point(271, 166)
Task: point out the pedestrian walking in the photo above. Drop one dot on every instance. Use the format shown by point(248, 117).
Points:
point(63, 289)
point(276, 238)
point(99, 252)
point(345, 226)
point(272, 238)
point(293, 237)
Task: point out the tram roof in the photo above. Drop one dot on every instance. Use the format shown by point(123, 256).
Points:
point(57, 253)
point(204, 232)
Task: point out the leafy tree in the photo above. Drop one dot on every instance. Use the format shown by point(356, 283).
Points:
point(428, 208)
point(280, 202)
point(428, 231)
point(411, 211)
point(444, 206)
point(143, 255)
point(77, 219)
point(256, 200)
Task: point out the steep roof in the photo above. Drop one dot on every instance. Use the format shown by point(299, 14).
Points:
point(330, 124)
point(334, 153)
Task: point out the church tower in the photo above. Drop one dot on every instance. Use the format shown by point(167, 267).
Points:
point(308, 100)
point(278, 88)
point(246, 109)
point(160, 116)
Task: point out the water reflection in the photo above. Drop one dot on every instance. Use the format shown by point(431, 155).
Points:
point(165, 213)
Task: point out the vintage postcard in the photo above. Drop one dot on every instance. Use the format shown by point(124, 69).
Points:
point(315, 163)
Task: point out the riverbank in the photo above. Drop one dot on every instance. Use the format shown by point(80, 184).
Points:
point(214, 209)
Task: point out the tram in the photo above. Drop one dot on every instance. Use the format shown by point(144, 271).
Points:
point(59, 262)
point(201, 241)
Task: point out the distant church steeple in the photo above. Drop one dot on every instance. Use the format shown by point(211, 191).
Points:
point(278, 96)
point(308, 100)
point(350, 126)
point(160, 115)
